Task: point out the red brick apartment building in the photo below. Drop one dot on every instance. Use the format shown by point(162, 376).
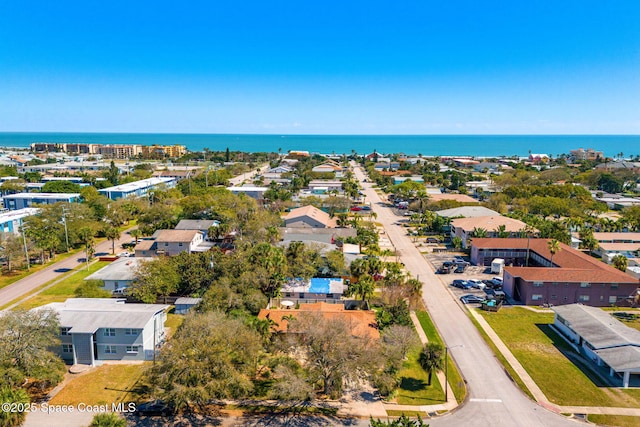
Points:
point(574, 276)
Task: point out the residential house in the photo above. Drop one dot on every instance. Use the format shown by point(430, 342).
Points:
point(588, 154)
point(464, 227)
point(601, 338)
point(308, 217)
point(534, 277)
point(323, 289)
point(172, 242)
point(362, 322)
point(538, 159)
point(327, 167)
point(250, 190)
point(202, 225)
point(93, 330)
point(120, 274)
point(321, 186)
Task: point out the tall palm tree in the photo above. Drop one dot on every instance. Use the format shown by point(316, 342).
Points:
point(554, 248)
point(431, 358)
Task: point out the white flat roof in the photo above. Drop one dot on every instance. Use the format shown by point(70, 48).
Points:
point(137, 185)
point(18, 214)
point(52, 196)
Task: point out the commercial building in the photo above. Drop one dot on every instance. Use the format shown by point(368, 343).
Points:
point(114, 151)
point(569, 276)
point(464, 228)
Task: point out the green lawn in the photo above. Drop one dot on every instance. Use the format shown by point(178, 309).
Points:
point(537, 347)
point(414, 388)
point(105, 384)
point(64, 289)
point(615, 420)
point(455, 379)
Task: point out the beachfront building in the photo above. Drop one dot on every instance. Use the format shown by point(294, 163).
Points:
point(464, 228)
point(588, 154)
point(602, 339)
point(114, 151)
point(137, 188)
point(10, 222)
point(569, 276)
point(24, 200)
point(93, 330)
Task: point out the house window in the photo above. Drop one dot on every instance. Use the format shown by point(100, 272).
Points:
point(613, 299)
point(109, 349)
point(537, 284)
point(109, 332)
point(585, 285)
point(554, 296)
point(601, 298)
point(132, 349)
point(130, 331)
point(65, 331)
point(584, 298)
point(179, 243)
point(67, 348)
point(614, 286)
point(166, 244)
point(536, 297)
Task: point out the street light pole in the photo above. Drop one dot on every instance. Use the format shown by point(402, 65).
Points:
point(446, 370)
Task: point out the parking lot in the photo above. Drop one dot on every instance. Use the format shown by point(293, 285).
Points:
point(471, 272)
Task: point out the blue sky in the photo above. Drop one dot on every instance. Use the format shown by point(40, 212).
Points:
point(333, 67)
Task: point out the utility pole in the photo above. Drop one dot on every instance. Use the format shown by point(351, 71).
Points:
point(26, 252)
point(66, 232)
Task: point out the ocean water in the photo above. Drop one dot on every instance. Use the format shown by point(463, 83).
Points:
point(427, 145)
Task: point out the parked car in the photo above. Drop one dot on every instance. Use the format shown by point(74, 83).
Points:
point(470, 299)
point(459, 269)
point(366, 208)
point(153, 408)
point(462, 284)
point(496, 295)
point(459, 261)
point(497, 281)
point(432, 240)
point(121, 291)
point(355, 208)
point(475, 283)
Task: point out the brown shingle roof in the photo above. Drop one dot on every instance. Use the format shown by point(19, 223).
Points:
point(312, 212)
point(176, 235)
point(572, 265)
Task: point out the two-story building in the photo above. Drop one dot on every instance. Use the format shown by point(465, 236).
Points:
point(172, 242)
point(534, 276)
point(93, 330)
point(137, 188)
point(24, 200)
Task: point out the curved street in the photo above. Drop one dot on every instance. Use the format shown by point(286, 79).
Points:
point(492, 398)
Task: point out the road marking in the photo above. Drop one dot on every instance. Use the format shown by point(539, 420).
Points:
point(485, 400)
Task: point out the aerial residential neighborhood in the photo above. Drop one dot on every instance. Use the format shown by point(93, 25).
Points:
point(297, 272)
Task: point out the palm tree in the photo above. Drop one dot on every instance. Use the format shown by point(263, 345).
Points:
point(431, 358)
point(478, 232)
point(364, 287)
point(502, 232)
point(113, 234)
point(554, 248)
point(136, 234)
point(620, 262)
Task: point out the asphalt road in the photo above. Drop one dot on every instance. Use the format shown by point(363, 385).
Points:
point(33, 281)
point(492, 399)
